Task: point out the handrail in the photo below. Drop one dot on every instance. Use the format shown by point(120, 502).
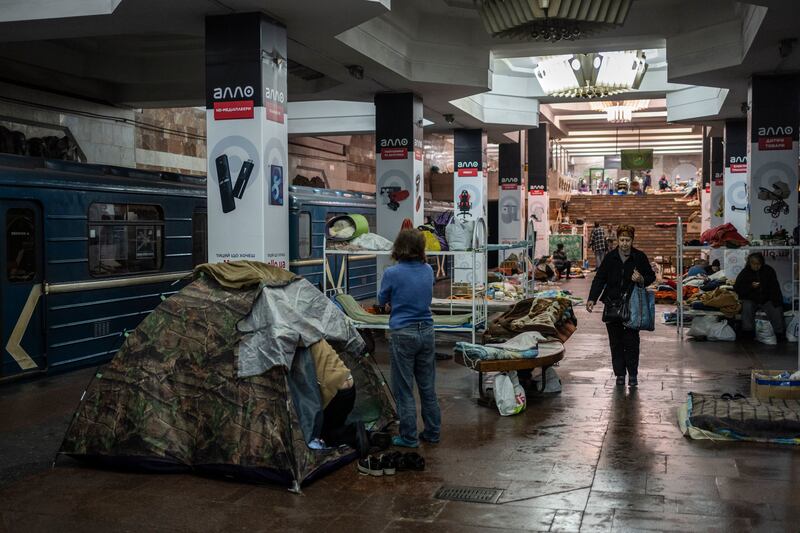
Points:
point(61, 288)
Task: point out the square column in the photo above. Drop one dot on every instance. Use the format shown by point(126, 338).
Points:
point(470, 195)
point(538, 198)
point(773, 121)
point(248, 208)
point(399, 179)
point(511, 207)
point(736, 197)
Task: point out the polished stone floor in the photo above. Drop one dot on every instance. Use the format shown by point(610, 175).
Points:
point(592, 458)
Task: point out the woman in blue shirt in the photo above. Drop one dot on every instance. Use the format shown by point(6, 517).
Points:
point(408, 288)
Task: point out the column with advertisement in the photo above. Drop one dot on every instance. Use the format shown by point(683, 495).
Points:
point(717, 190)
point(538, 199)
point(248, 215)
point(736, 198)
point(772, 164)
point(470, 198)
point(511, 200)
point(399, 176)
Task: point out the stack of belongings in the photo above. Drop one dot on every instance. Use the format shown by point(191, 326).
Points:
point(527, 345)
point(232, 376)
point(506, 290)
point(723, 235)
point(667, 292)
point(554, 318)
point(722, 299)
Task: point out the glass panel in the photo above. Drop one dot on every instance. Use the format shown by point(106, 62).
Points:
point(120, 249)
point(20, 244)
point(199, 238)
point(304, 235)
point(104, 212)
point(143, 212)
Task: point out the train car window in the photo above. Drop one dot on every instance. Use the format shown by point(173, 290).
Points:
point(199, 237)
point(125, 238)
point(304, 235)
point(20, 245)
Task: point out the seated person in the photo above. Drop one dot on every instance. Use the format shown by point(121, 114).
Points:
point(560, 261)
point(699, 268)
point(713, 268)
point(758, 288)
point(338, 394)
point(543, 272)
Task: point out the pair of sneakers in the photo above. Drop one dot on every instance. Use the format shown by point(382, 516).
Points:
point(388, 464)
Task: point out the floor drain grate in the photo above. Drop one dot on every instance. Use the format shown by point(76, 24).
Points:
point(469, 494)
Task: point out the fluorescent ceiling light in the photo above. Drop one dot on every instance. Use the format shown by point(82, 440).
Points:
point(579, 140)
point(678, 142)
point(629, 131)
point(595, 116)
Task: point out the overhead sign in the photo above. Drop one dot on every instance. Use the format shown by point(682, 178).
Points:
point(636, 159)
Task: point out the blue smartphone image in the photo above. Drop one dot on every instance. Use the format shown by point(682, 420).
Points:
point(276, 185)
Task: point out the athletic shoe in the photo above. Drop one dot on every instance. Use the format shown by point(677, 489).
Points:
point(397, 440)
point(633, 381)
point(370, 466)
point(620, 381)
point(388, 463)
point(412, 461)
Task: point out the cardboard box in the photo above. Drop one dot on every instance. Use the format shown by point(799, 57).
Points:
point(764, 388)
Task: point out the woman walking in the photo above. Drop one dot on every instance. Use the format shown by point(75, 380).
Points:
point(620, 269)
point(408, 288)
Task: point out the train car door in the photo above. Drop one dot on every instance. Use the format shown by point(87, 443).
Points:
point(21, 275)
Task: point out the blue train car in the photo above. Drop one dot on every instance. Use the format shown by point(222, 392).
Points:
point(87, 252)
point(310, 209)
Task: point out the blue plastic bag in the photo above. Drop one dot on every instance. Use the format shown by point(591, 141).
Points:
point(642, 304)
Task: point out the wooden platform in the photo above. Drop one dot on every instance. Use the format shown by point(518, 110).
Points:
point(507, 365)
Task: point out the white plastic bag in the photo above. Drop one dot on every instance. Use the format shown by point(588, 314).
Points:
point(792, 324)
point(764, 332)
point(552, 381)
point(459, 234)
point(701, 326)
point(509, 394)
point(721, 331)
point(372, 241)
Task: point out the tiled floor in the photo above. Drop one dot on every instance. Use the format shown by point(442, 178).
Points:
point(593, 458)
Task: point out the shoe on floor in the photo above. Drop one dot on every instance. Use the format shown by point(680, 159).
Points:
point(412, 461)
point(620, 381)
point(397, 440)
point(370, 466)
point(388, 463)
point(633, 381)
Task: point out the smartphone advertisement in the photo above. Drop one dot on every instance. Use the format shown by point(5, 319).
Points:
point(248, 217)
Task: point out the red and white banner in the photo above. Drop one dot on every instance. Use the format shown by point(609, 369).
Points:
point(236, 110)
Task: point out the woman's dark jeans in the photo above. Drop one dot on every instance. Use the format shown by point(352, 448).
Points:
point(624, 349)
point(414, 358)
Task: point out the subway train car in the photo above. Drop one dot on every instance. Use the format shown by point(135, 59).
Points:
point(87, 252)
point(309, 211)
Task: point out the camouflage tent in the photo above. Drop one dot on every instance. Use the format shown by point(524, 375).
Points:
point(171, 398)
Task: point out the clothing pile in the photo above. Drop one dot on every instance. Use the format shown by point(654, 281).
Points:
point(724, 235)
point(365, 242)
point(527, 345)
point(552, 317)
point(719, 299)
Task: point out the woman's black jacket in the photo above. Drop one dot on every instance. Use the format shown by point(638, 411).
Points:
point(769, 289)
point(613, 278)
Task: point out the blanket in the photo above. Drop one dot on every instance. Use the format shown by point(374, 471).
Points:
point(354, 310)
point(749, 419)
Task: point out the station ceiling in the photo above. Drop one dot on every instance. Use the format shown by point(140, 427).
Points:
point(149, 53)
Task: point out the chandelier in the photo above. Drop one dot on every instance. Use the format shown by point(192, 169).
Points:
point(621, 111)
point(551, 20)
point(595, 75)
